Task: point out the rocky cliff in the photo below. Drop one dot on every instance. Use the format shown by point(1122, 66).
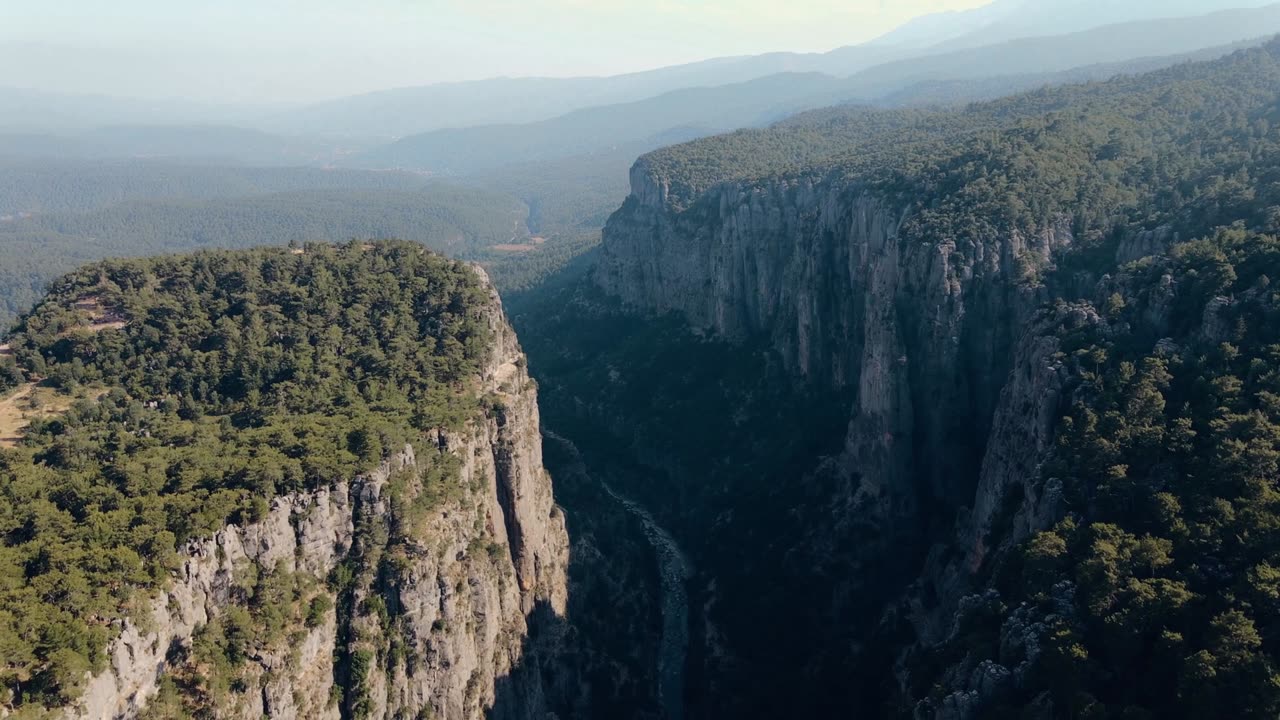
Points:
point(938, 340)
point(431, 566)
point(851, 294)
point(966, 280)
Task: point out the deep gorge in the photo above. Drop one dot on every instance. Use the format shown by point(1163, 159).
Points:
point(927, 413)
point(842, 388)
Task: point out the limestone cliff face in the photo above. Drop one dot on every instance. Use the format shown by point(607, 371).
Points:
point(939, 340)
point(310, 533)
point(852, 294)
point(1012, 499)
point(436, 617)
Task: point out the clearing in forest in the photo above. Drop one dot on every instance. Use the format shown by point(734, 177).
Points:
point(99, 318)
point(33, 401)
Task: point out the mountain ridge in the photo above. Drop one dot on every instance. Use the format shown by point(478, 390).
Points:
point(760, 101)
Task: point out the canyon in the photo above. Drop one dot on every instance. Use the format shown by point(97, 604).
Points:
point(943, 414)
point(920, 335)
point(846, 396)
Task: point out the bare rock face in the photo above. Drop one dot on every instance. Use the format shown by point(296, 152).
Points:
point(458, 607)
point(1136, 246)
point(852, 294)
point(1022, 433)
point(467, 576)
point(1012, 500)
point(955, 384)
point(202, 588)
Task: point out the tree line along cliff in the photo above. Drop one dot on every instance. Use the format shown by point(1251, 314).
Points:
point(1053, 313)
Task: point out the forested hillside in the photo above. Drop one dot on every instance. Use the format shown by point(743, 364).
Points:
point(1155, 594)
point(218, 381)
point(961, 92)
point(1173, 136)
point(51, 185)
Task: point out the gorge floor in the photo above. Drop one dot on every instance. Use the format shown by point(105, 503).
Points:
point(674, 572)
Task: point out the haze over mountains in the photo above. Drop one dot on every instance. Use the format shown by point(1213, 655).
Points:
point(404, 111)
point(560, 147)
point(1012, 19)
point(518, 100)
point(767, 99)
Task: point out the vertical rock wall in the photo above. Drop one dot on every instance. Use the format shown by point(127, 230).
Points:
point(463, 582)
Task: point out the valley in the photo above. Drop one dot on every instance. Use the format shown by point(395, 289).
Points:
point(938, 436)
point(674, 571)
point(934, 377)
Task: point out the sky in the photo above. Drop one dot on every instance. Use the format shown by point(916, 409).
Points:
point(290, 51)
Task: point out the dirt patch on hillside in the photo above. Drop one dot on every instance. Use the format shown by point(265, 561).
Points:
point(30, 402)
point(26, 403)
point(97, 317)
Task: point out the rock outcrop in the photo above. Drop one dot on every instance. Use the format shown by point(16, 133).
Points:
point(441, 605)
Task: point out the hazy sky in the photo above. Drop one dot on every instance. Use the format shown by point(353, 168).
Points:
point(292, 50)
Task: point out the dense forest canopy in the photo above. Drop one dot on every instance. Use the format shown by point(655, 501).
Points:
point(197, 388)
point(461, 219)
point(50, 185)
point(1149, 599)
point(56, 215)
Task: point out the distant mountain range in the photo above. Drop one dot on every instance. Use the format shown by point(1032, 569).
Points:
point(1011, 19)
point(405, 111)
point(519, 100)
point(391, 114)
point(1058, 52)
point(466, 150)
point(968, 73)
point(475, 128)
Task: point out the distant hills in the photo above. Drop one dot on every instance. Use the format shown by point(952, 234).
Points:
point(224, 144)
point(406, 111)
point(1006, 20)
point(1103, 50)
point(467, 150)
point(1046, 36)
point(543, 160)
point(1055, 53)
point(959, 91)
